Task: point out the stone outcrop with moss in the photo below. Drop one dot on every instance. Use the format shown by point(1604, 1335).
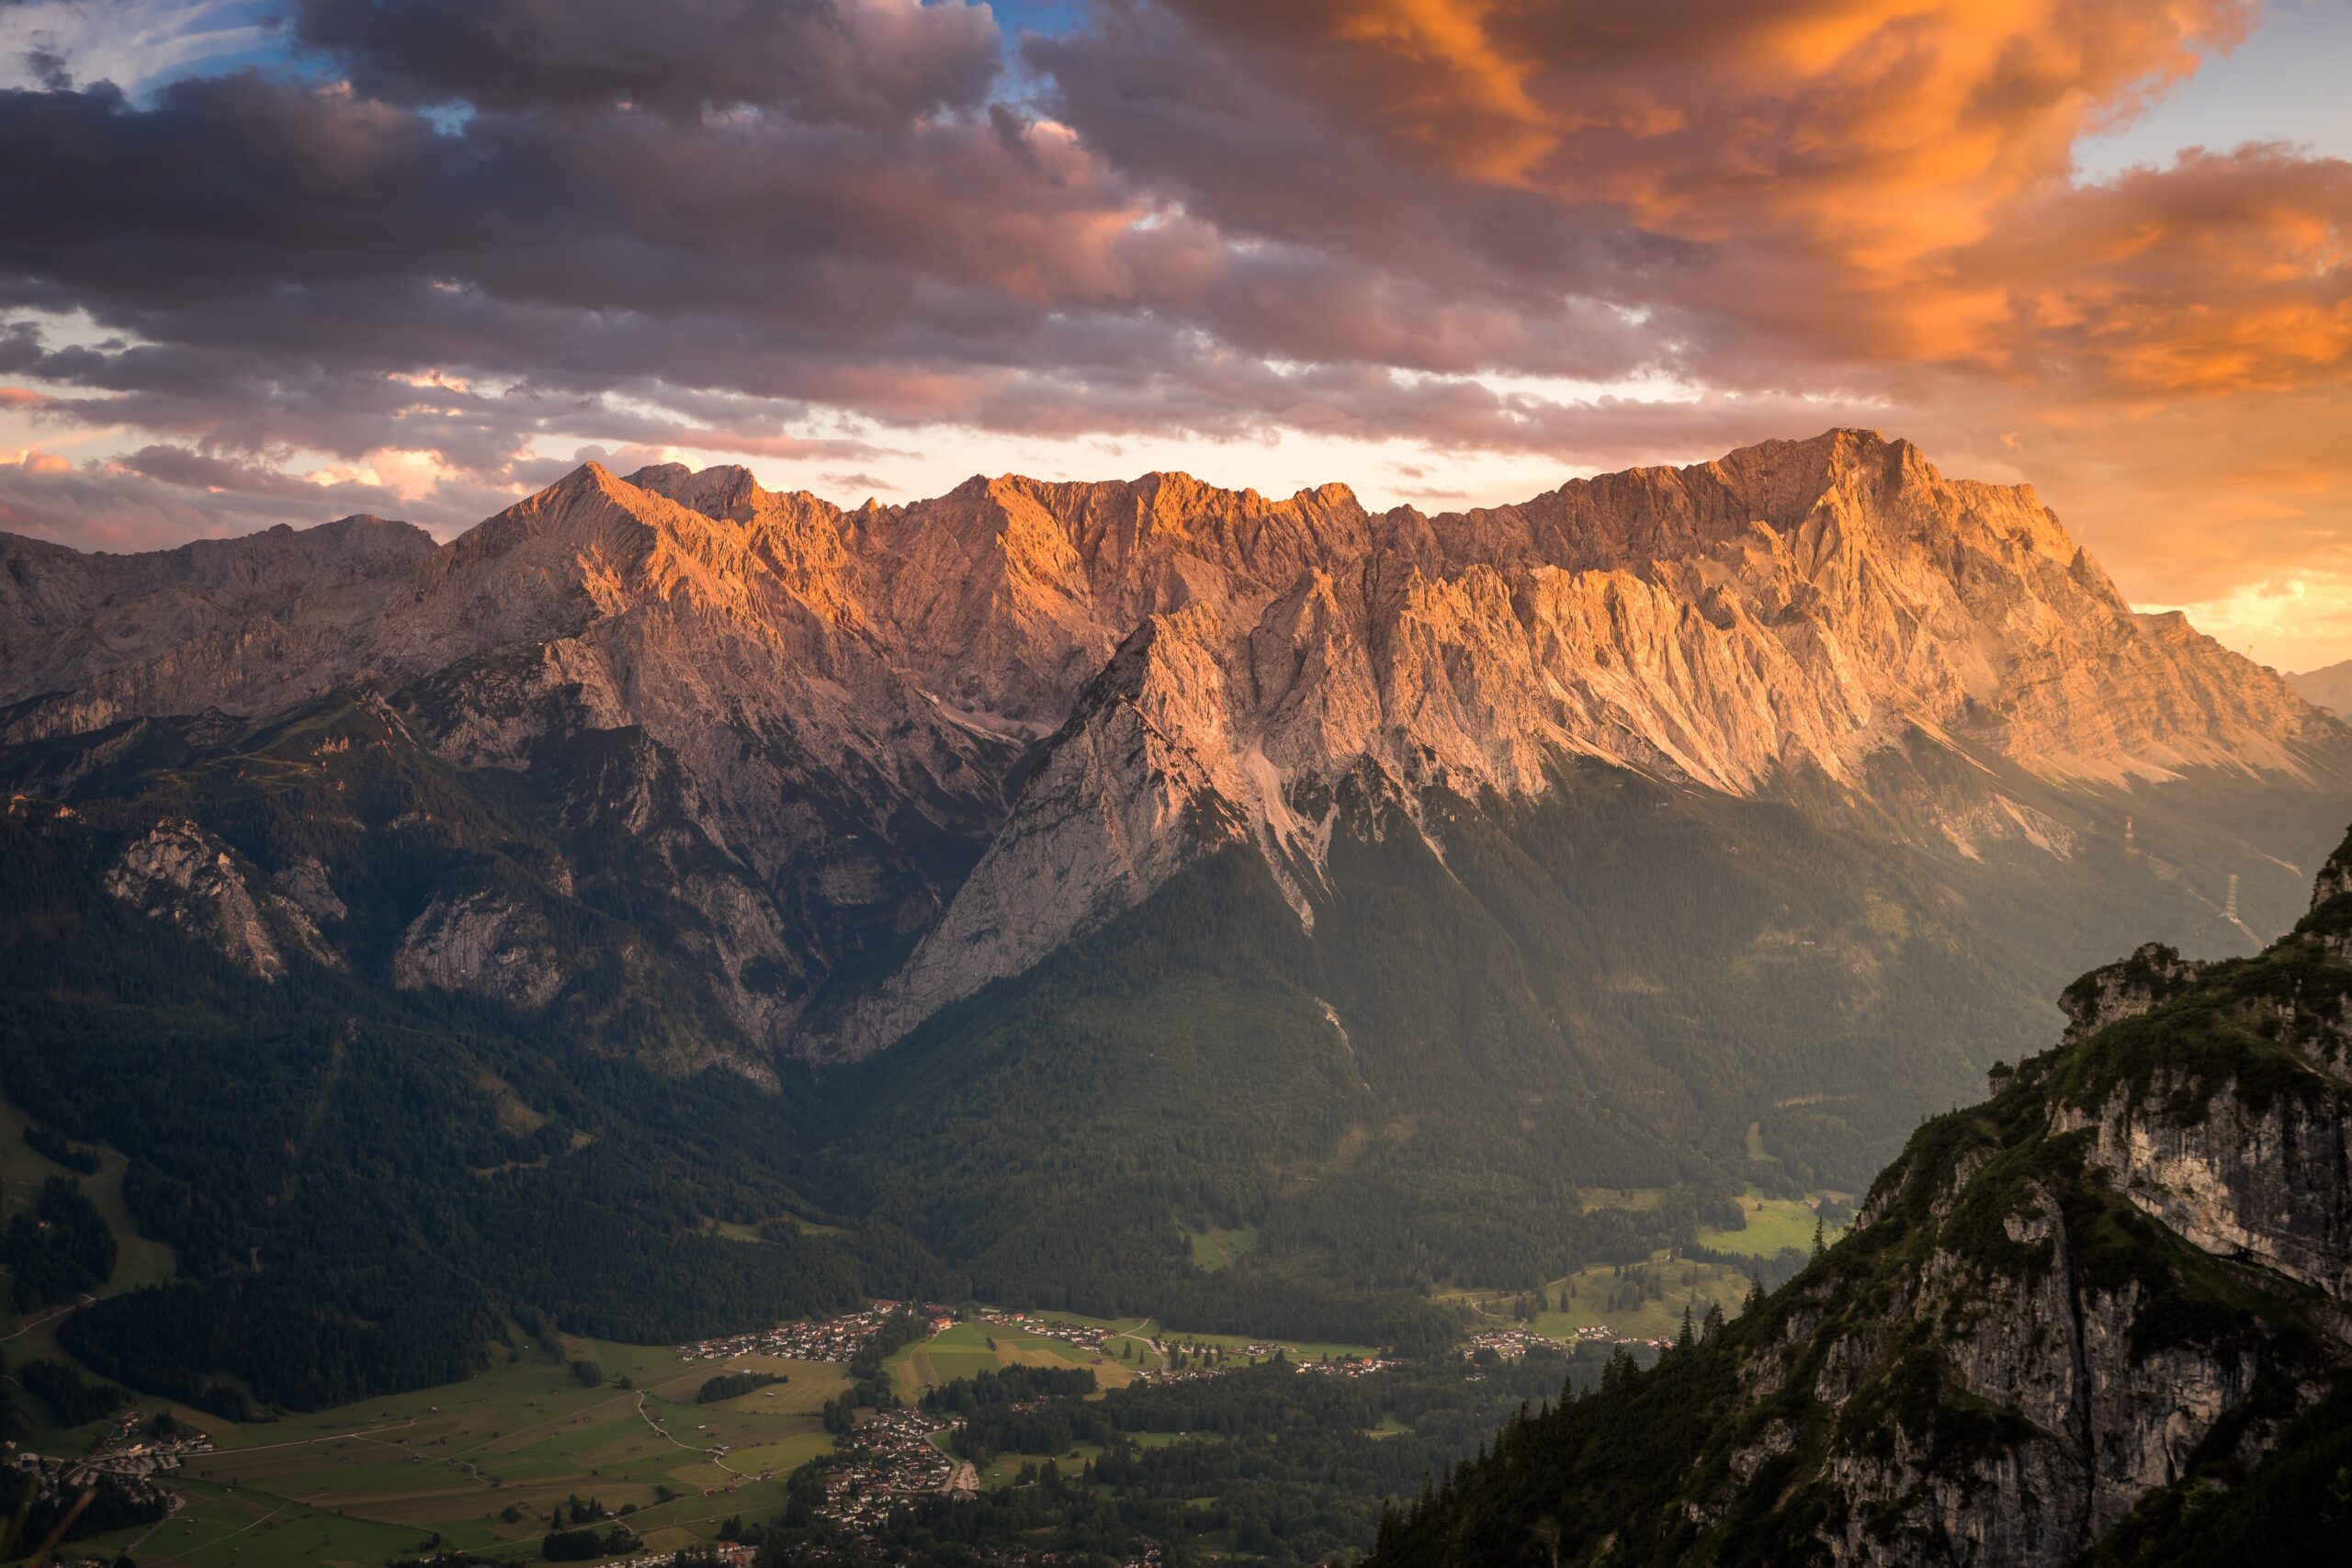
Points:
point(2100, 1317)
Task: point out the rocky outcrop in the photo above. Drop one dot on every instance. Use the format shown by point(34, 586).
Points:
point(2269, 1183)
point(2079, 1321)
point(1123, 800)
point(2335, 878)
point(180, 873)
point(2152, 976)
point(485, 944)
point(306, 883)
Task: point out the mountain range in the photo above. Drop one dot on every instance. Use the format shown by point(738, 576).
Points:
point(1094, 685)
point(998, 887)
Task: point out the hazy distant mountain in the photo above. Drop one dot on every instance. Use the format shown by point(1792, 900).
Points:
point(2331, 688)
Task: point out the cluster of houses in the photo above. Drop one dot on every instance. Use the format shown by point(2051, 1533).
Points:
point(831, 1339)
point(1601, 1334)
point(1086, 1335)
point(128, 1485)
point(129, 1449)
point(1510, 1344)
point(734, 1553)
point(894, 1459)
point(1513, 1343)
point(1352, 1366)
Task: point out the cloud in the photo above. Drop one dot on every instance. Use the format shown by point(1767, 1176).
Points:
point(1617, 231)
point(861, 62)
point(129, 42)
point(159, 498)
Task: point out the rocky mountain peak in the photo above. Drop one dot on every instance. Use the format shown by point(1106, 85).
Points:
point(2336, 877)
point(1789, 609)
point(728, 491)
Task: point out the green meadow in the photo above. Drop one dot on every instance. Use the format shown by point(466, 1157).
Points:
point(1216, 1248)
point(1772, 1224)
point(360, 1482)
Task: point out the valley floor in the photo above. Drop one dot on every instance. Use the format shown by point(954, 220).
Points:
point(388, 1477)
point(481, 1464)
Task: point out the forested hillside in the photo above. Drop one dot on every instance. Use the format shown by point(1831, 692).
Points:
point(2099, 1317)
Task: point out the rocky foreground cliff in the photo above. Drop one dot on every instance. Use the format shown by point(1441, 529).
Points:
point(2100, 1317)
point(884, 757)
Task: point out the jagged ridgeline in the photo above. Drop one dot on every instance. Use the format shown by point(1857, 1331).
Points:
point(673, 903)
point(2101, 1317)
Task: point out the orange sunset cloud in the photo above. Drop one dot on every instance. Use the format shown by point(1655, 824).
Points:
point(1504, 240)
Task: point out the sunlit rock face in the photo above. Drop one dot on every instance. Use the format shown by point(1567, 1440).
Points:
point(979, 724)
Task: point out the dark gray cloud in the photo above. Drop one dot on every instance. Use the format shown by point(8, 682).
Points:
point(268, 257)
point(868, 63)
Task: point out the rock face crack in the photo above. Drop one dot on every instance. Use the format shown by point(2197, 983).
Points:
point(2079, 1427)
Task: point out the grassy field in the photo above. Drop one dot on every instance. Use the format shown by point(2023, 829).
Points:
point(218, 1527)
point(385, 1477)
point(138, 1261)
point(972, 1348)
point(370, 1480)
point(1005, 1469)
point(1684, 1282)
point(1704, 1283)
point(1772, 1224)
point(1214, 1249)
point(1297, 1349)
point(964, 1349)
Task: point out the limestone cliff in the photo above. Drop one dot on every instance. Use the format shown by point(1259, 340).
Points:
point(485, 944)
point(1795, 607)
point(1071, 691)
point(255, 624)
point(2102, 1317)
point(178, 873)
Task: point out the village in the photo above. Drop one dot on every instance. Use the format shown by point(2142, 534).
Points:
point(894, 1457)
point(1085, 1336)
point(63, 1490)
point(836, 1339)
point(1513, 1343)
point(733, 1553)
point(1352, 1366)
point(888, 1458)
point(133, 1446)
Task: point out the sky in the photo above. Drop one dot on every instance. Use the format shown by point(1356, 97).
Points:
point(278, 261)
